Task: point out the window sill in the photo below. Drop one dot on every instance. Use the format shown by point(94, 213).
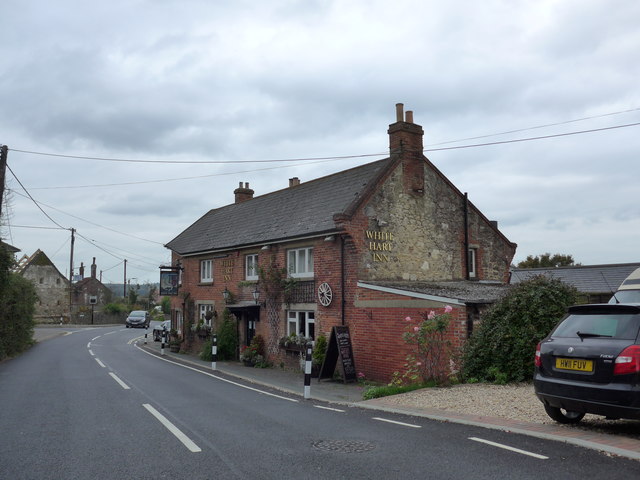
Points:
point(205, 284)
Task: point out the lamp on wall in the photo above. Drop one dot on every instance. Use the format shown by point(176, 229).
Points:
point(225, 294)
point(256, 295)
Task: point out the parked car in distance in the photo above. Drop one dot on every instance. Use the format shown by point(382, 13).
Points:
point(138, 318)
point(590, 363)
point(158, 329)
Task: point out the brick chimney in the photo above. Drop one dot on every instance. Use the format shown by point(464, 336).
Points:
point(405, 141)
point(293, 182)
point(93, 268)
point(81, 270)
point(243, 193)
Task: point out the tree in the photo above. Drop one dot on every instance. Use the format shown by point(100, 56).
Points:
point(501, 350)
point(17, 305)
point(546, 260)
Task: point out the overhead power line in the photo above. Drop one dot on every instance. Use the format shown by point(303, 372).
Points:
point(33, 200)
point(90, 222)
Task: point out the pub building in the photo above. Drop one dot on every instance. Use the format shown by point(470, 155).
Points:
point(363, 248)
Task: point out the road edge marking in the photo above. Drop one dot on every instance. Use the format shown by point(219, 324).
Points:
point(396, 422)
point(220, 378)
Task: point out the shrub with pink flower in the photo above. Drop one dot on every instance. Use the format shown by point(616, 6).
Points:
point(431, 349)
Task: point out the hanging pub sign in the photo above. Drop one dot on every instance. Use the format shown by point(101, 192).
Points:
point(169, 280)
point(339, 348)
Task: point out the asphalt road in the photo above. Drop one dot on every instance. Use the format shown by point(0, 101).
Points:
point(91, 405)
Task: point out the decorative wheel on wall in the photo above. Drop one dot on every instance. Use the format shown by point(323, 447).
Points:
point(325, 295)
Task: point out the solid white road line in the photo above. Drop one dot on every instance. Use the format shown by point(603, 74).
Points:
point(507, 447)
point(187, 442)
point(397, 423)
point(122, 384)
point(329, 408)
point(100, 363)
point(220, 378)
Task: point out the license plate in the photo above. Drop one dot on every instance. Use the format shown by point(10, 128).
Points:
point(576, 364)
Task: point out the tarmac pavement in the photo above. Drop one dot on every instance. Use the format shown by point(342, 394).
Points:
point(351, 395)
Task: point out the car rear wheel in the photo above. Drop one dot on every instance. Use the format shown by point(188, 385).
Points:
point(561, 415)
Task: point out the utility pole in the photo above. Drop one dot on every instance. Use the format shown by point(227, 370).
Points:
point(73, 240)
point(125, 279)
point(3, 167)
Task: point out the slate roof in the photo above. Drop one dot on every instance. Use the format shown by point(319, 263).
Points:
point(468, 292)
point(295, 212)
point(586, 278)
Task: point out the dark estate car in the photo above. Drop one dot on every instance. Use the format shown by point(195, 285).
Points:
point(138, 318)
point(590, 363)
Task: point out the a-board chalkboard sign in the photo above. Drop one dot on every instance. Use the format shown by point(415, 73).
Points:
point(339, 348)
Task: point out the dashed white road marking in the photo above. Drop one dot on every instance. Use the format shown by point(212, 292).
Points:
point(397, 423)
point(507, 447)
point(111, 333)
point(100, 363)
point(186, 441)
point(120, 382)
point(329, 408)
point(221, 379)
point(91, 353)
point(95, 338)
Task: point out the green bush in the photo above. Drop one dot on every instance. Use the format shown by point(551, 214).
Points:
point(501, 350)
point(319, 350)
point(17, 305)
point(227, 337)
point(115, 308)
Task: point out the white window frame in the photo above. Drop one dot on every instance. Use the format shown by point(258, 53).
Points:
point(300, 262)
point(251, 266)
point(472, 262)
point(203, 308)
point(206, 271)
point(301, 322)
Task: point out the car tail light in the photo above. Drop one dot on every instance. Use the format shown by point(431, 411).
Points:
point(538, 360)
point(628, 361)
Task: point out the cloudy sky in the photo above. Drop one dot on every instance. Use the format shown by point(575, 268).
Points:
point(174, 81)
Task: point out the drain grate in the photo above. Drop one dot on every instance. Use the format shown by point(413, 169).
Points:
point(344, 446)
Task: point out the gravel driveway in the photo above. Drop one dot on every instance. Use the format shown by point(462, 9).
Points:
point(516, 402)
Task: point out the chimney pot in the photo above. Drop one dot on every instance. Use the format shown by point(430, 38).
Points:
point(243, 193)
point(294, 182)
point(409, 116)
point(399, 114)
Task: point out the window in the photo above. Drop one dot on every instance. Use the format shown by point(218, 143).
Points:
point(206, 271)
point(301, 323)
point(472, 263)
point(300, 262)
point(57, 281)
point(251, 267)
point(202, 311)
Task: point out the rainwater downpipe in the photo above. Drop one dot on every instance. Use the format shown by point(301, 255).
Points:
point(466, 234)
point(342, 287)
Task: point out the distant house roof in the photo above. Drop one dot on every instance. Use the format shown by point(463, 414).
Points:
point(10, 248)
point(586, 278)
point(303, 210)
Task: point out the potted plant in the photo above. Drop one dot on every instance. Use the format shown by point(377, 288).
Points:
point(317, 357)
point(253, 354)
point(174, 345)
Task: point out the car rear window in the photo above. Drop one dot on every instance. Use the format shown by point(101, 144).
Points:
point(619, 326)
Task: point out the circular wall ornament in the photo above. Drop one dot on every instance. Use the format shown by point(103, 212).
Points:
point(325, 295)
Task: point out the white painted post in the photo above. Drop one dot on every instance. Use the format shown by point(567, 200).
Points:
point(307, 373)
